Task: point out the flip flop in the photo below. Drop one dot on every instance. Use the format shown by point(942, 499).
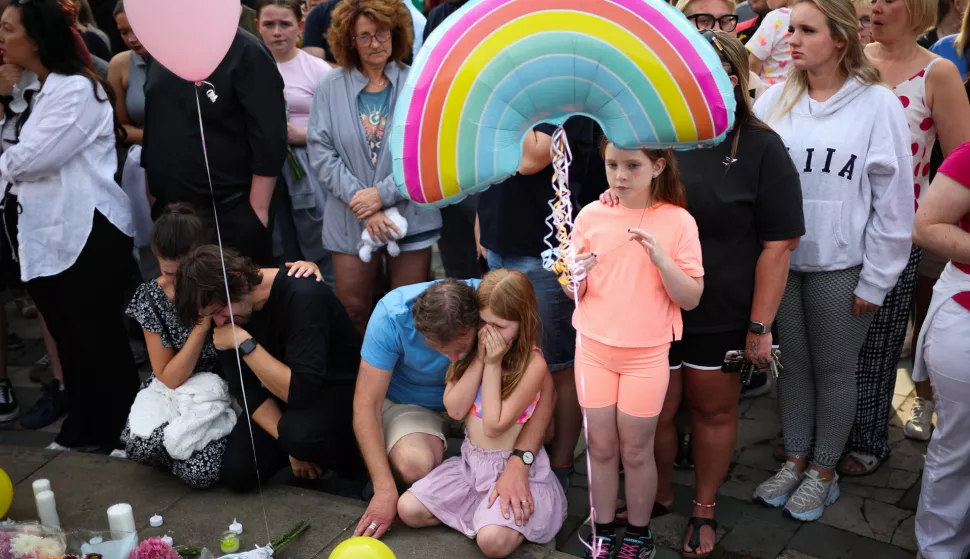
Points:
point(869, 465)
point(696, 523)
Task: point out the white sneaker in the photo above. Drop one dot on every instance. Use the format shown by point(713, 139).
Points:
point(119, 453)
point(776, 491)
point(919, 426)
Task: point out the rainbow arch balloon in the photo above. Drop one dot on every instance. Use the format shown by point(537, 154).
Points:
point(496, 68)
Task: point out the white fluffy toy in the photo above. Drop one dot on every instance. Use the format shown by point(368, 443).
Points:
point(369, 245)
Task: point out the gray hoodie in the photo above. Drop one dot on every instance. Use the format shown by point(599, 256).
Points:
point(341, 160)
point(855, 163)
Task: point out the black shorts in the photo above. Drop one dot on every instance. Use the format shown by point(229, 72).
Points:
point(706, 352)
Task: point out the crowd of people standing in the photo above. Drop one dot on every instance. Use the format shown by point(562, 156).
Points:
point(801, 241)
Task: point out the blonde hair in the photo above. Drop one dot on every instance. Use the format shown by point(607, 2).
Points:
point(842, 24)
point(963, 39)
point(684, 5)
point(922, 14)
point(510, 296)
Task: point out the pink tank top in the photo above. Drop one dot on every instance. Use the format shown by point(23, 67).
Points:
point(922, 130)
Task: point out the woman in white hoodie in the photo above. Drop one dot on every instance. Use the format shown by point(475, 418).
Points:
point(848, 137)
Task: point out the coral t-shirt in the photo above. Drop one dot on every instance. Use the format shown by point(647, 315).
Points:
point(626, 304)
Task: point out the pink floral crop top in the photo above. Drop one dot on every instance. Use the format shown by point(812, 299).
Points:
point(477, 408)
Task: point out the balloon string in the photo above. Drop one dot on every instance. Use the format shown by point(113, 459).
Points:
point(560, 260)
point(232, 320)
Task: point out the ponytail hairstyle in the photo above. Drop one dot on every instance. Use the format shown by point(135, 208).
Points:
point(667, 186)
point(853, 63)
point(734, 60)
point(510, 296)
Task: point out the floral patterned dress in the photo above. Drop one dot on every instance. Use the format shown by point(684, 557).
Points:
point(156, 313)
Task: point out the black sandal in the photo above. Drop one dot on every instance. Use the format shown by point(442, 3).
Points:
point(696, 523)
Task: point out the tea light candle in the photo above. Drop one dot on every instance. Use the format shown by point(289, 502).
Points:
point(121, 520)
point(236, 527)
point(229, 542)
point(155, 521)
point(40, 486)
point(47, 509)
point(167, 539)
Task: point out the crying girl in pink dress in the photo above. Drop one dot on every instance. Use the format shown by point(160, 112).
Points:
point(495, 389)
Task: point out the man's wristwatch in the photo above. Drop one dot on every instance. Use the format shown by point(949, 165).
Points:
point(247, 347)
point(527, 457)
point(759, 328)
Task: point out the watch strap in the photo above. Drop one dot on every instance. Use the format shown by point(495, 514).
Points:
point(247, 347)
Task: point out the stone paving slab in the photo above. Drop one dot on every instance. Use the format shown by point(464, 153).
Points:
point(440, 542)
point(19, 462)
point(85, 485)
point(200, 517)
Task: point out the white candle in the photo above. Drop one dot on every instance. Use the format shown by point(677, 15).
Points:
point(47, 509)
point(121, 520)
point(41, 485)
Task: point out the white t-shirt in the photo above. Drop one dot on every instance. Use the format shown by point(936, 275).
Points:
point(770, 45)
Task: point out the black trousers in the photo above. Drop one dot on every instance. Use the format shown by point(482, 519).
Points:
point(457, 243)
point(240, 227)
point(323, 435)
point(84, 310)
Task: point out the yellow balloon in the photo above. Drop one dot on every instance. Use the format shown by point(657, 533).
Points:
point(6, 493)
point(362, 548)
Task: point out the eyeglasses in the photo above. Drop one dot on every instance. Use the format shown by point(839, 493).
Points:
point(706, 21)
point(365, 40)
point(865, 22)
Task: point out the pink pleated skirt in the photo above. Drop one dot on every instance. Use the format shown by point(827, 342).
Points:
point(457, 492)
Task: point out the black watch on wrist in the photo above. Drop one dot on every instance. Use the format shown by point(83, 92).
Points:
point(759, 328)
point(247, 347)
point(527, 457)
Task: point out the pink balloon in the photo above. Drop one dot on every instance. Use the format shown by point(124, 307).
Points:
point(189, 37)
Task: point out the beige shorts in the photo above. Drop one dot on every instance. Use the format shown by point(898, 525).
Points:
point(401, 420)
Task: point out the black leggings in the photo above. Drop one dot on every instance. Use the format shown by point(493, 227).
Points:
point(323, 435)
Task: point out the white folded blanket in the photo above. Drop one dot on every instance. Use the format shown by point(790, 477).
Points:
point(197, 413)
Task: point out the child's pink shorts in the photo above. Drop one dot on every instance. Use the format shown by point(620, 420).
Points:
point(634, 379)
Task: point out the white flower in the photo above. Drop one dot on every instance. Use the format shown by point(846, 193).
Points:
point(49, 547)
point(25, 545)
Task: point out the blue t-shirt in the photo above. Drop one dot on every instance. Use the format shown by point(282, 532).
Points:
point(391, 343)
point(946, 47)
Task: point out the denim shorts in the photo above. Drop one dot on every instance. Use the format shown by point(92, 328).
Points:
point(555, 309)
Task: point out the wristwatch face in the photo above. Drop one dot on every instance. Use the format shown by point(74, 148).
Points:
point(247, 347)
point(757, 328)
point(528, 458)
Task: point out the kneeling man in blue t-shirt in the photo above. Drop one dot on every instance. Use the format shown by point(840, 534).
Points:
point(414, 335)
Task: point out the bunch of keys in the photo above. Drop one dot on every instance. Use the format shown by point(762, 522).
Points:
point(734, 362)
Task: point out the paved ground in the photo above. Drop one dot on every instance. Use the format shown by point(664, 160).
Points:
point(872, 520)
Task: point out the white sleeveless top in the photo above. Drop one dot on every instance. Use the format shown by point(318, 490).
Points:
point(922, 130)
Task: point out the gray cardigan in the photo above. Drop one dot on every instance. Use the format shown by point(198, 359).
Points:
point(340, 158)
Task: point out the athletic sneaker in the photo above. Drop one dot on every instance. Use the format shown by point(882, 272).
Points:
point(48, 409)
point(812, 496)
point(637, 548)
point(919, 426)
point(9, 410)
point(603, 547)
point(776, 491)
